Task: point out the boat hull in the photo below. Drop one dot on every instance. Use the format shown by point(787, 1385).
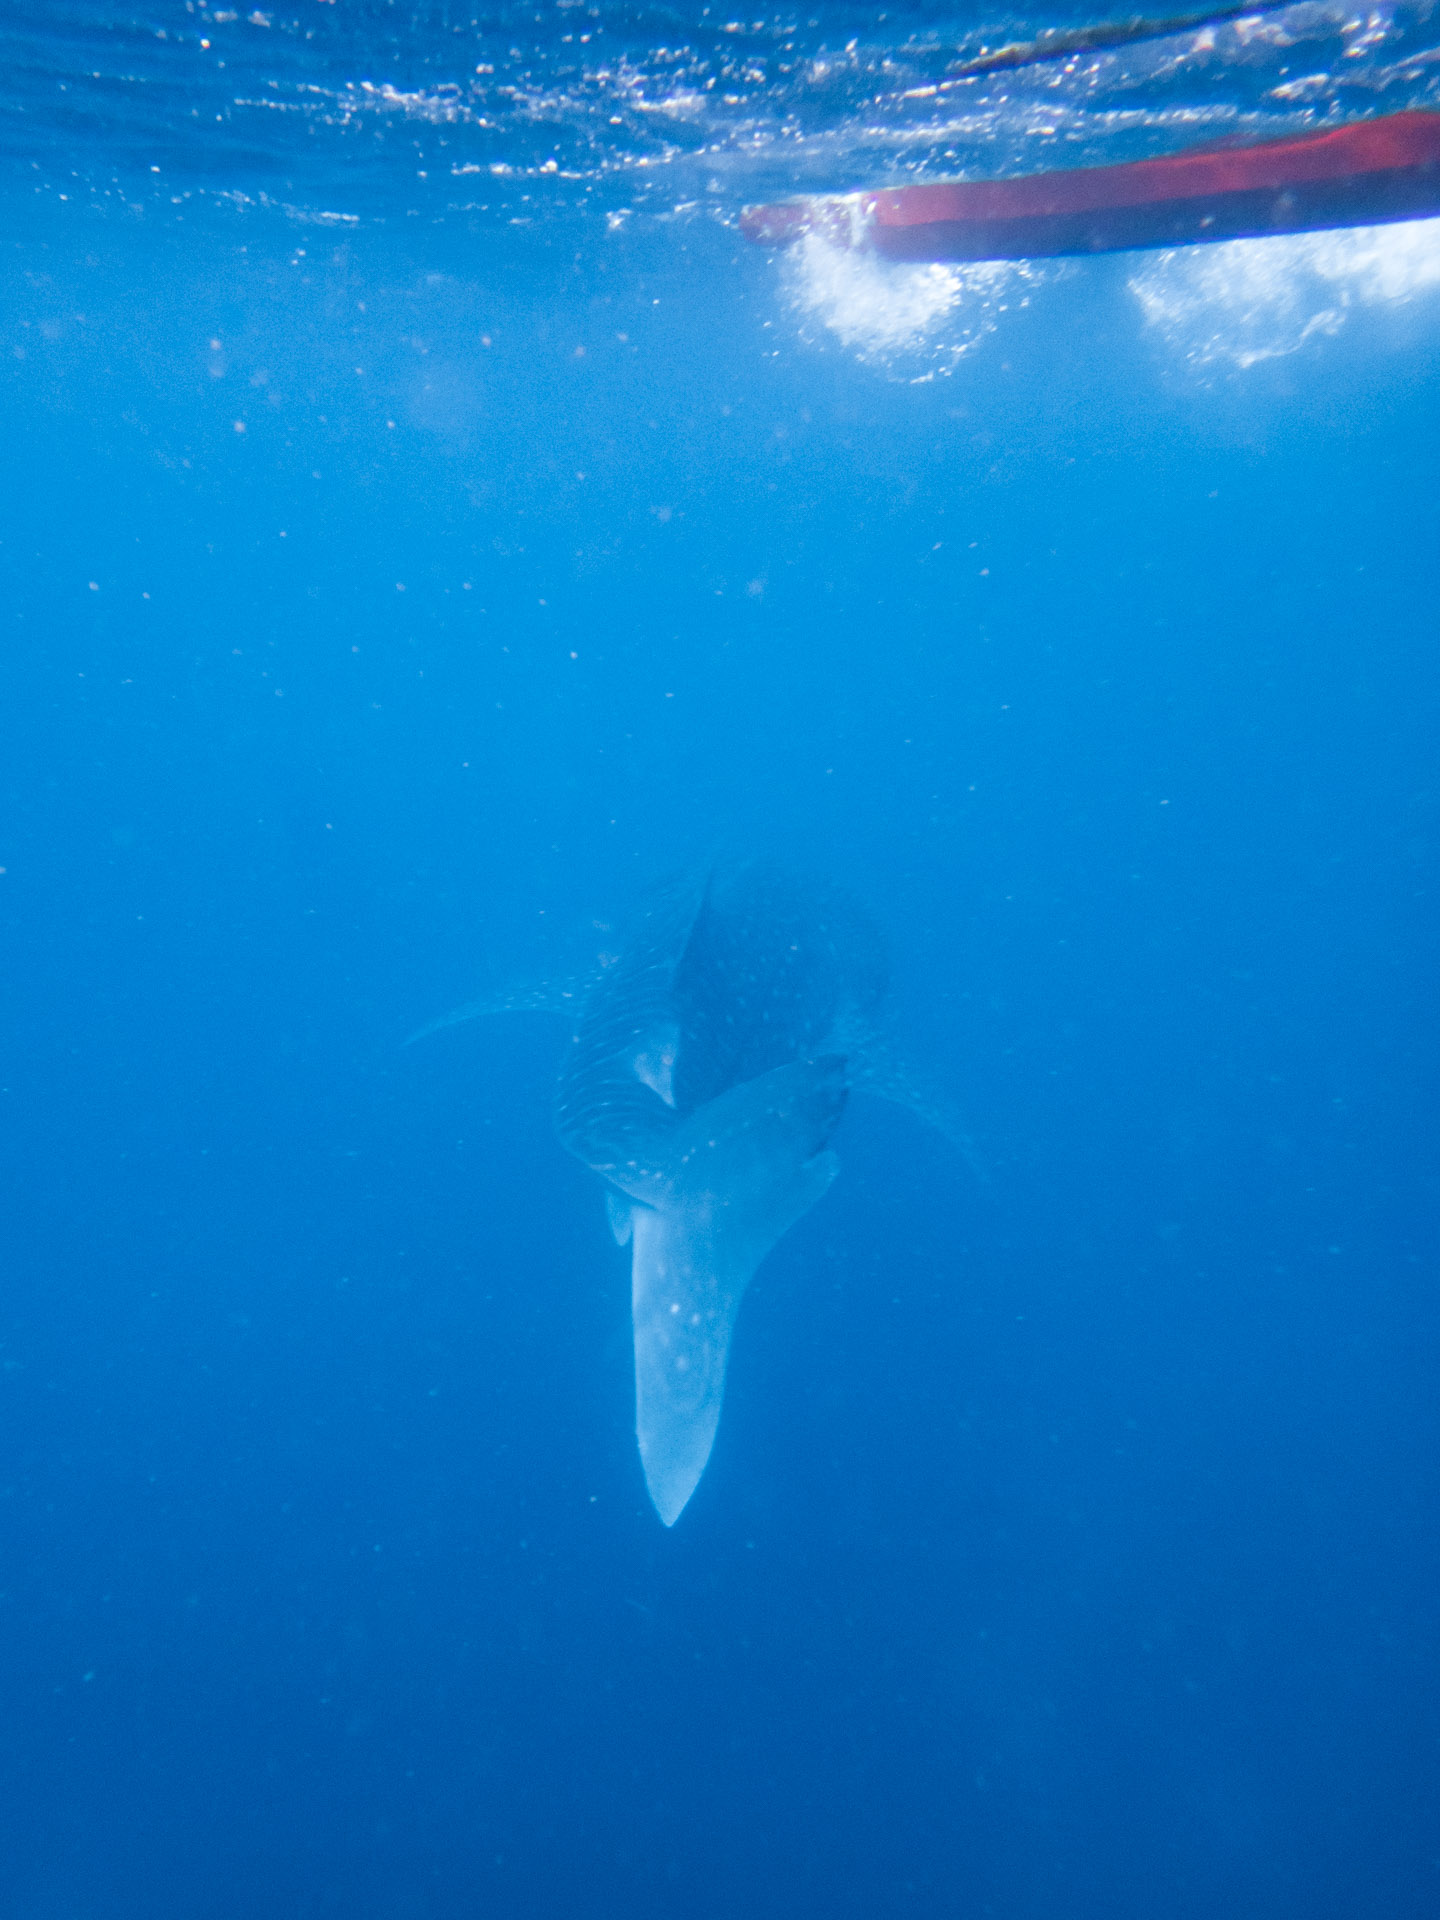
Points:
point(1368, 173)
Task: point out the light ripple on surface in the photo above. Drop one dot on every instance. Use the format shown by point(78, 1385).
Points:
point(386, 112)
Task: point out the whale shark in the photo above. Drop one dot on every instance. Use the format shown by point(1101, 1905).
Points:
point(710, 1058)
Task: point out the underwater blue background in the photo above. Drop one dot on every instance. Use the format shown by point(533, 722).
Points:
point(385, 605)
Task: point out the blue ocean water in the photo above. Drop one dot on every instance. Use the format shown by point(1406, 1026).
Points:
point(426, 525)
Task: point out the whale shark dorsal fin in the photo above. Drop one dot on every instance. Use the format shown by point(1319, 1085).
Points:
point(655, 1060)
point(621, 1214)
point(746, 1167)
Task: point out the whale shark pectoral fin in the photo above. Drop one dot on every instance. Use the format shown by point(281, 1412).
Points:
point(752, 1162)
point(546, 996)
point(876, 1070)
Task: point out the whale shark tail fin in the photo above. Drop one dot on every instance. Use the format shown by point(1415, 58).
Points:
point(745, 1168)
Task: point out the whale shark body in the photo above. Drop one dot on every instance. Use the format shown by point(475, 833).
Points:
point(709, 1061)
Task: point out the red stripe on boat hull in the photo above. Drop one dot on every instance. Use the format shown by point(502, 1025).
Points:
point(1368, 173)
